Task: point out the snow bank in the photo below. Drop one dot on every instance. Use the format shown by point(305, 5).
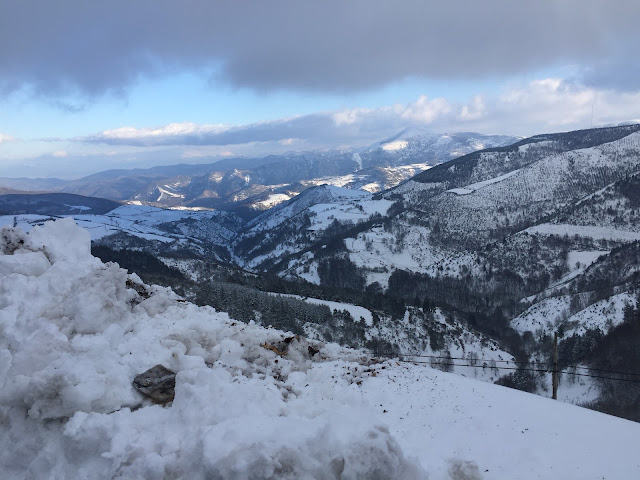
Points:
point(73, 334)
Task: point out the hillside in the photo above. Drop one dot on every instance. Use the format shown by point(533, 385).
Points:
point(248, 402)
point(53, 204)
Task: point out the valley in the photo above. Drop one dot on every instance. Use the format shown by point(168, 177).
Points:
point(470, 265)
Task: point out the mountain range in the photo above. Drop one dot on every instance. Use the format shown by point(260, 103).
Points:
point(250, 185)
point(484, 256)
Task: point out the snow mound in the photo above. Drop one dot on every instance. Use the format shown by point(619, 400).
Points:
point(249, 403)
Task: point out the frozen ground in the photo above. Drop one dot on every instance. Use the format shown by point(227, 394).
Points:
point(74, 333)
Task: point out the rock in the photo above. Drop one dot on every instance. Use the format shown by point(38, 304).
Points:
point(158, 384)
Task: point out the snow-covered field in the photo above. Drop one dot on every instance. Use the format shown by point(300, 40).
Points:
point(137, 220)
point(248, 404)
point(357, 312)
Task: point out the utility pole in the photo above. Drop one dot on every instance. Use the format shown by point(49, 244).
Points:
point(554, 374)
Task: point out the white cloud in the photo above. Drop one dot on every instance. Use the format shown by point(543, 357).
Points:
point(60, 154)
point(553, 104)
point(426, 111)
point(541, 106)
point(350, 116)
point(151, 134)
point(6, 138)
point(474, 111)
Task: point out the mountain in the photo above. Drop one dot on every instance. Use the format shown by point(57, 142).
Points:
point(104, 376)
point(249, 186)
point(53, 204)
point(494, 251)
point(537, 237)
point(33, 184)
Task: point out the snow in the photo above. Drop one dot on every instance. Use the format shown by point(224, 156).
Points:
point(603, 315)
point(357, 312)
point(138, 220)
point(167, 193)
point(74, 332)
point(396, 145)
point(78, 207)
point(582, 259)
point(546, 315)
point(452, 423)
point(356, 158)
point(272, 200)
point(477, 186)
point(371, 187)
point(189, 209)
point(325, 213)
point(577, 261)
point(535, 145)
point(543, 316)
point(340, 181)
point(594, 232)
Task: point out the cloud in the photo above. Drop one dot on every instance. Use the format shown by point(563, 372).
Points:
point(475, 110)
point(172, 134)
point(311, 46)
point(4, 138)
point(425, 110)
point(540, 106)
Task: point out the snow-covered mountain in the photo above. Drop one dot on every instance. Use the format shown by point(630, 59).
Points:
point(505, 245)
point(258, 184)
point(242, 401)
point(494, 233)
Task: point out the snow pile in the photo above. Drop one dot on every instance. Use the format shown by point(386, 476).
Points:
point(249, 402)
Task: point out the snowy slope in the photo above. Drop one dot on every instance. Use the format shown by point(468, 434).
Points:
point(545, 316)
point(75, 332)
point(294, 225)
point(196, 230)
point(520, 195)
point(137, 220)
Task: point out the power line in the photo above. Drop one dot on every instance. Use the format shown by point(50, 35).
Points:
point(600, 376)
point(519, 368)
point(515, 362)
point(476, 366)
point(604, 371)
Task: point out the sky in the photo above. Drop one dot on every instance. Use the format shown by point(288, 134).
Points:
point(87, 86)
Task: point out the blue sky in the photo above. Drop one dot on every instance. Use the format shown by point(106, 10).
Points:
point(92, 86)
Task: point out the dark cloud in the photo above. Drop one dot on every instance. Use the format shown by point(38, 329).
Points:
point(617, 73)
point(87, 47)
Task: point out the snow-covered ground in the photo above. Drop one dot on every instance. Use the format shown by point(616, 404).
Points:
point(596, 233)
point(248, 404)
point(478, 185)
point(137, 220)
point(357, 312)
point(545, 316)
